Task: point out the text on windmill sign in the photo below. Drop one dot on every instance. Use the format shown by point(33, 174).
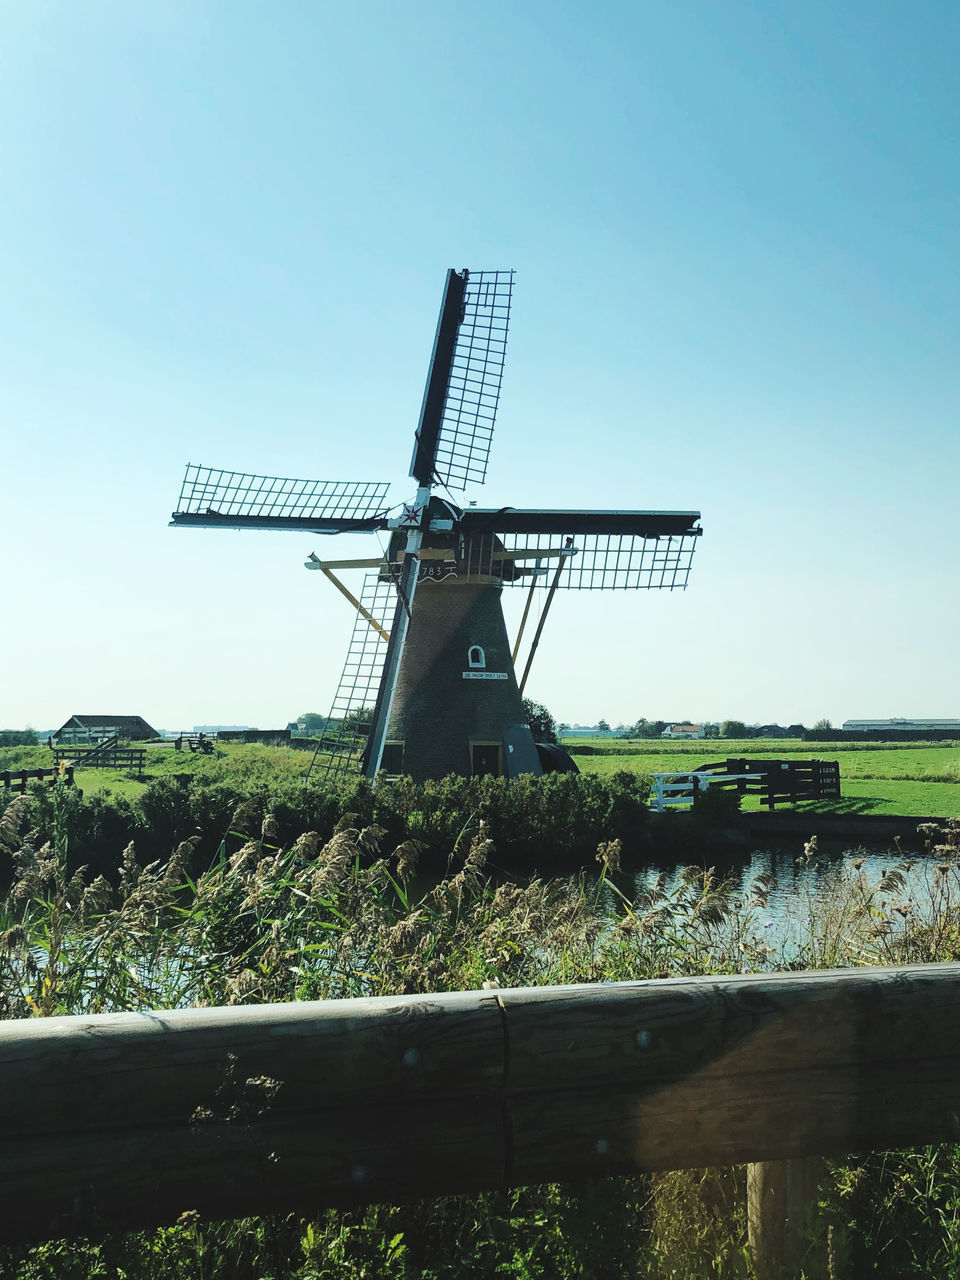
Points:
point(484, 675)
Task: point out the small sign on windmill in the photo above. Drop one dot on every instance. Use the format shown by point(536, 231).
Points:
point(429, 685)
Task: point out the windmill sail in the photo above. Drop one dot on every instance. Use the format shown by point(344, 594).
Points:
point(346, 734)
point(463, 386)
point(213, 498)
point(452, 441)
point(611, 562)
point(612, 550)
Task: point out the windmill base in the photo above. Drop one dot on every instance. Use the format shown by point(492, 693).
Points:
point(457, 707)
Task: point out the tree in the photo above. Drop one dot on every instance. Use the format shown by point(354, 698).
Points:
point(311, 724)
point(823, 724)
point(602, 726)
point(541, 722)
point(641, 728)
point(645, 728)
point(733, 729)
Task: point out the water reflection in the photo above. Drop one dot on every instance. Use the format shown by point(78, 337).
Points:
point(799, 892)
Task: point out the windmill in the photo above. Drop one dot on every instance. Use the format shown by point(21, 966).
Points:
point(429, 686)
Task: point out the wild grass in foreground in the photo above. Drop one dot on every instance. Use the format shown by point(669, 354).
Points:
point(341, 913)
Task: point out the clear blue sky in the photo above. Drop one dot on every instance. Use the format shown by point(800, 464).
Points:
point(224, 229)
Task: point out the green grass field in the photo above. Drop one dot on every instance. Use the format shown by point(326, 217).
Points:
point(911, 778)
point(915, 779)
point(253, 764)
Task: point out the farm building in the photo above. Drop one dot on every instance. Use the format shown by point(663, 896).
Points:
point(684, 731)
point(902, 726)
point(84, 728)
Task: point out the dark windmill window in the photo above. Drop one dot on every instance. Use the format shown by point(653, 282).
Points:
point(476, 658)
point(392, 760)
point(485, 759)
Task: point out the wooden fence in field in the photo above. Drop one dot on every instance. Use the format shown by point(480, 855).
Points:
point(106, 754)
point(774, 781)
point(17, 779)
point(294, 1107)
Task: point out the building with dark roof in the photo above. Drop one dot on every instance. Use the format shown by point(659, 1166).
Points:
point(82, 728)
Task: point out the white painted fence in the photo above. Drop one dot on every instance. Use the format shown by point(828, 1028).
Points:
point(678, 790)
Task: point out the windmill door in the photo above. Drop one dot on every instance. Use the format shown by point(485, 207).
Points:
point(485, 759)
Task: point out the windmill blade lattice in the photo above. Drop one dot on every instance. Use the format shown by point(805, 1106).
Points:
point(210, 492)
point(609, 550)
point(476, 375)
point(347, 730)
point(603, 561)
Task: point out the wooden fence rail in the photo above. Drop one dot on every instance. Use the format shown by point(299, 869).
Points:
point(17, 779)
point(779, 780)
point(103, 757)
point(772, 780)
point(129, 1119)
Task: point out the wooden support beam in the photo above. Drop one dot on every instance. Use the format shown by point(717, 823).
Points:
point(369, 562)
point(377, 562)
point(543, 618)
point(523, 620)
point(530, 555)
point(345, 591)
point(253, 1109)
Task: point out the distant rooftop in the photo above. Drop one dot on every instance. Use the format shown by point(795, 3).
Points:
point(899, 723)
point(127, 726)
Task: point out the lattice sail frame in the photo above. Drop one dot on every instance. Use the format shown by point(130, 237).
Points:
point(347, 730)
point(210, 491)
point(476, 375)
point(601, 562)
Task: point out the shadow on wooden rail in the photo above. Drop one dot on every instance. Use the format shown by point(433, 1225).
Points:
point(122, 1120)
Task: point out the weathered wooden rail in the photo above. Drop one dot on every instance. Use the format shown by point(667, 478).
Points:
point(107, 754)
point(130, 1119)
point(781, 780)
point(17, 779)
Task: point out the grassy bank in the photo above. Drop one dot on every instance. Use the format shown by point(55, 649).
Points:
point(337, 913)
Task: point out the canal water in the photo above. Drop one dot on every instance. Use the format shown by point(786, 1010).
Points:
point(788, 895)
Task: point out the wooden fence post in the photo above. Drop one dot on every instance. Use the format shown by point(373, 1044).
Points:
point(781, 1217)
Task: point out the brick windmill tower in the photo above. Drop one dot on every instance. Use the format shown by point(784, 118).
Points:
point(429, 686)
